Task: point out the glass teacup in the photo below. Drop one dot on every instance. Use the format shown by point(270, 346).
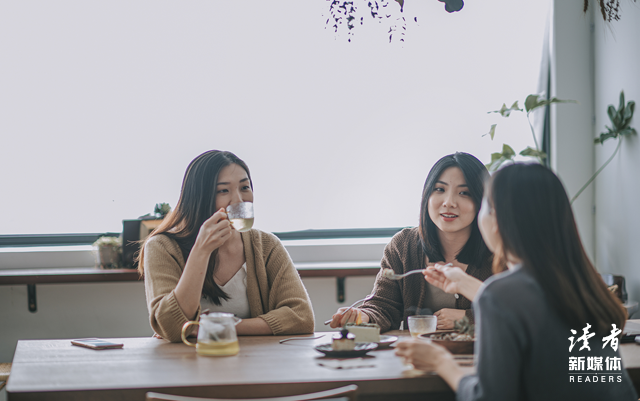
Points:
point(420, 324)
point(241, 215)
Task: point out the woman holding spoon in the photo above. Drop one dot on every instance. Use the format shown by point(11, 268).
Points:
point(531, 318)
point(196, 259)
point(448, 233)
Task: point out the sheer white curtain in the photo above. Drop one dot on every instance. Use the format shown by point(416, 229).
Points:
point(103, 105)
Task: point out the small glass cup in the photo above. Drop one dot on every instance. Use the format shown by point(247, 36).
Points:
point(241, 216)
point(420, 324)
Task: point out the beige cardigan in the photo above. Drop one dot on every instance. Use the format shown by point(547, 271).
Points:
point(274, 288)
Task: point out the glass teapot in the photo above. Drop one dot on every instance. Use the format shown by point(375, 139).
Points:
point(216, 334)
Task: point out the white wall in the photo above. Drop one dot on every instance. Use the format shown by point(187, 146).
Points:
point(572, 150)
point(592, 62)
point(72, 311)
point(617, 189)
point(95, 92)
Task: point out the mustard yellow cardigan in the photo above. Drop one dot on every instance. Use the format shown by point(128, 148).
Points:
point(274, 288)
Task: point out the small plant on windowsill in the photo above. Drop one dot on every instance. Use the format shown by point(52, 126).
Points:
point(160, 211)
point(108, 252)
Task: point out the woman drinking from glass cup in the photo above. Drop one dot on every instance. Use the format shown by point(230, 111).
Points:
point(196, 259)
point(448, 233)
point(530, 319)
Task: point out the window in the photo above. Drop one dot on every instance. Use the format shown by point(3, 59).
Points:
point(103, 105)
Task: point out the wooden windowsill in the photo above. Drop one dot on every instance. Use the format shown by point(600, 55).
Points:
point(73, 275)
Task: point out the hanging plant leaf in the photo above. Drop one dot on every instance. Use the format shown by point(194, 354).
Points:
point(531, 102)
point(620, 120)
point(497, 159)
point(506, 112)
point(604, 136)
point(529, 151)
point(612, 113)
point(628, 131)
point(507, 151)
point(492, 131)
point(534, 101)
point(628, 112)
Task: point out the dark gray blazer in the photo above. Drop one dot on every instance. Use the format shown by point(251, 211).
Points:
point(522, 349)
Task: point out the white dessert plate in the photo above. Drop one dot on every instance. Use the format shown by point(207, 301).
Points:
point(386, 341)
point(360, 350)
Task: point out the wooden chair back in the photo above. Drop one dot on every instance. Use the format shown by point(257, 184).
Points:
point(349, 393)
point(5, 370)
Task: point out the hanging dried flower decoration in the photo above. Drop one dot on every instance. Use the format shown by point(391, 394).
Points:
point(610, 9)
point(344, 13)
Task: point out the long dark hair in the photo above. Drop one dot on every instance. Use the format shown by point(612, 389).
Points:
point(536, 225)
point(475, 173)
point(196, 204)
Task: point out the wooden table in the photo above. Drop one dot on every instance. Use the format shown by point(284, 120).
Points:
point(56, 370)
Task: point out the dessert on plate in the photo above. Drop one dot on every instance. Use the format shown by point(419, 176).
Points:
point(364, 332)
point(344, 341)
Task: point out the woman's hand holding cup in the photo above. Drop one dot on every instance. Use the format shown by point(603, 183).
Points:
point(422, 354)
point(214, 232)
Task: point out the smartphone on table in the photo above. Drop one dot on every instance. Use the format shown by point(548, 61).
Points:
point(96, 343)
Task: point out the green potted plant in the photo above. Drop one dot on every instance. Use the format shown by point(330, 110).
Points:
point(151, 221)
point(108, 251)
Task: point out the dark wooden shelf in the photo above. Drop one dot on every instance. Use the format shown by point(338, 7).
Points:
point(66, 276)
point(73, 275)
point(338, 272)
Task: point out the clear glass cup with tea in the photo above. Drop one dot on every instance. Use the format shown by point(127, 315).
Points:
point(241, 216)
point(420, 324)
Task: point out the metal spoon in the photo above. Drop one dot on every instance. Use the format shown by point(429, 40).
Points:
point(394, 276)
point(363, 300)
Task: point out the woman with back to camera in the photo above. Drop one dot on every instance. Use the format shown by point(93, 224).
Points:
point(448, 232)
point(525, 316)
point(196, 260)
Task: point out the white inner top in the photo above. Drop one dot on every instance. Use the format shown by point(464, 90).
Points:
point(236, 288)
